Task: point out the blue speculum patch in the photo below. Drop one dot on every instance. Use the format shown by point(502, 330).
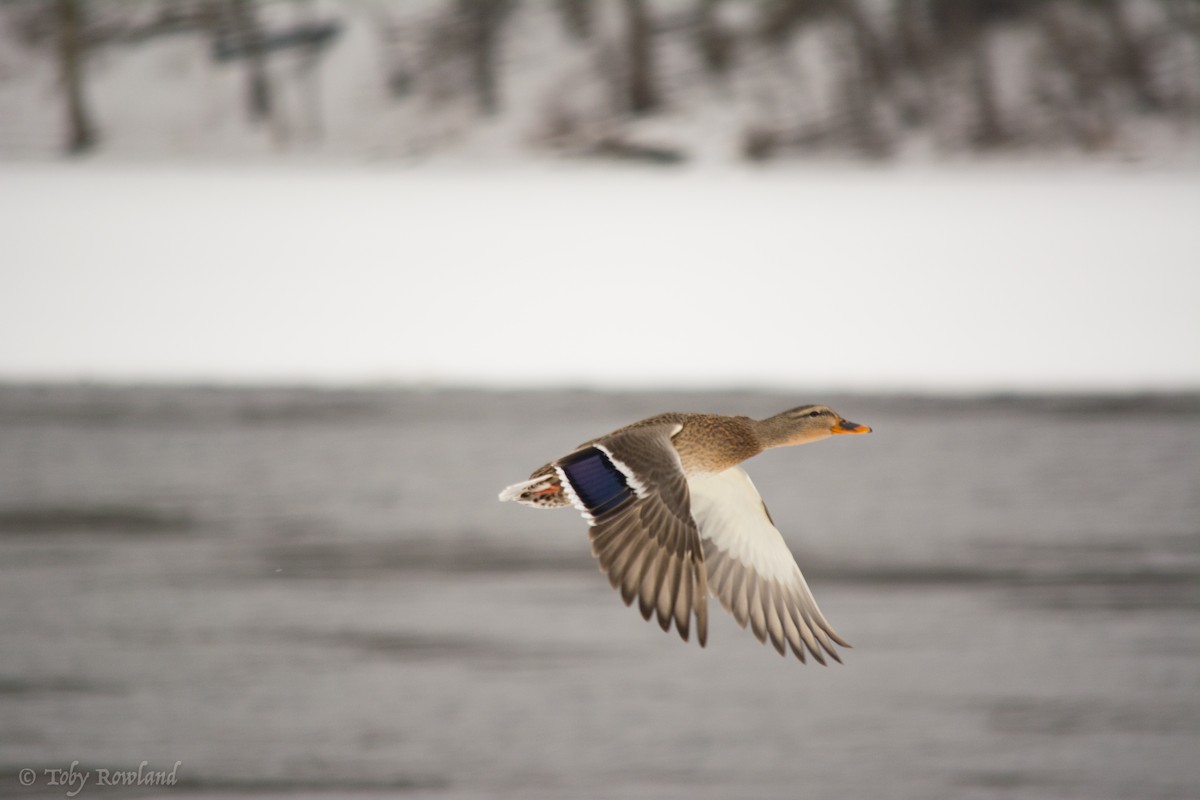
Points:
point(599, 485)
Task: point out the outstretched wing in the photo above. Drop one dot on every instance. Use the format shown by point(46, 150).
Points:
point(750, 569)
point(631, 489)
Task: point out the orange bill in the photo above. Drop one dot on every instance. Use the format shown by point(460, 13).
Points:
point(845, 426)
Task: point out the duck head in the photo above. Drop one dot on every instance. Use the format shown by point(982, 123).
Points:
point(805, 424)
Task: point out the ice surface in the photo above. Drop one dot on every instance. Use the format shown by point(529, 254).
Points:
point(993, 277)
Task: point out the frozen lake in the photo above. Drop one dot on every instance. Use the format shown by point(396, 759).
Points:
point(1013, 276)
point(317, 591)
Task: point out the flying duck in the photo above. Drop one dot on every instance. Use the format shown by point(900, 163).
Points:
point(672, 517)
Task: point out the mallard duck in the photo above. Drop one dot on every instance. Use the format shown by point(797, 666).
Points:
point(672, 517)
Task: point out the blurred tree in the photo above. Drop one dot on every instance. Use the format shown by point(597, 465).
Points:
point(72, 51)
point(1077, 54)
point(249, 36)
point(779, 19)
point(712, 40)
point(873, 55)
point(1130, 57)
point(483, 22)
point(990, 130)
point(865, 75)
point(577, 17)
point(967, 29)
point(868, 80)
point(642, 91)
point(915, 57)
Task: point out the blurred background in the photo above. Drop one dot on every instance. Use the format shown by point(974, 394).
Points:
point(290, 289)
point(653, 81)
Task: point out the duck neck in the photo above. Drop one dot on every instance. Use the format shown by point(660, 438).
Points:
point(773, 431)
point(782, 431)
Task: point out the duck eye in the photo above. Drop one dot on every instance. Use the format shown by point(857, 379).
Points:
point(814, 413)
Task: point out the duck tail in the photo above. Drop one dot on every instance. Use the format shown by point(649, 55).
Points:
point(541, 491)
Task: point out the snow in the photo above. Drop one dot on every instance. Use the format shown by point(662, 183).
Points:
point(964, 279)
point(167, 97)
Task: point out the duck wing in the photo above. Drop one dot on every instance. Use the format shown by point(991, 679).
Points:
point(750, 569)
point(632, 491)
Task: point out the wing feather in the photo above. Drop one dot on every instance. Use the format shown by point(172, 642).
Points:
point(648, 593)
point(791, 629)
point(754, 575)
point(684, 603)
point(774, 623)
point(648, 545)
point(738, 594)
point(668, 586)
point(758, 619)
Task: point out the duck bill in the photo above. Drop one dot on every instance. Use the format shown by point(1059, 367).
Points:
point(845, 426)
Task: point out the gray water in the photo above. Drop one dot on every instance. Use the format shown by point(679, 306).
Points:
point(317, 592)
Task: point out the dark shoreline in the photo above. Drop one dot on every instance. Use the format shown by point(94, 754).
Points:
point(263, 400)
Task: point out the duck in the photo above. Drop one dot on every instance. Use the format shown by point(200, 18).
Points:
point(673, 517)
